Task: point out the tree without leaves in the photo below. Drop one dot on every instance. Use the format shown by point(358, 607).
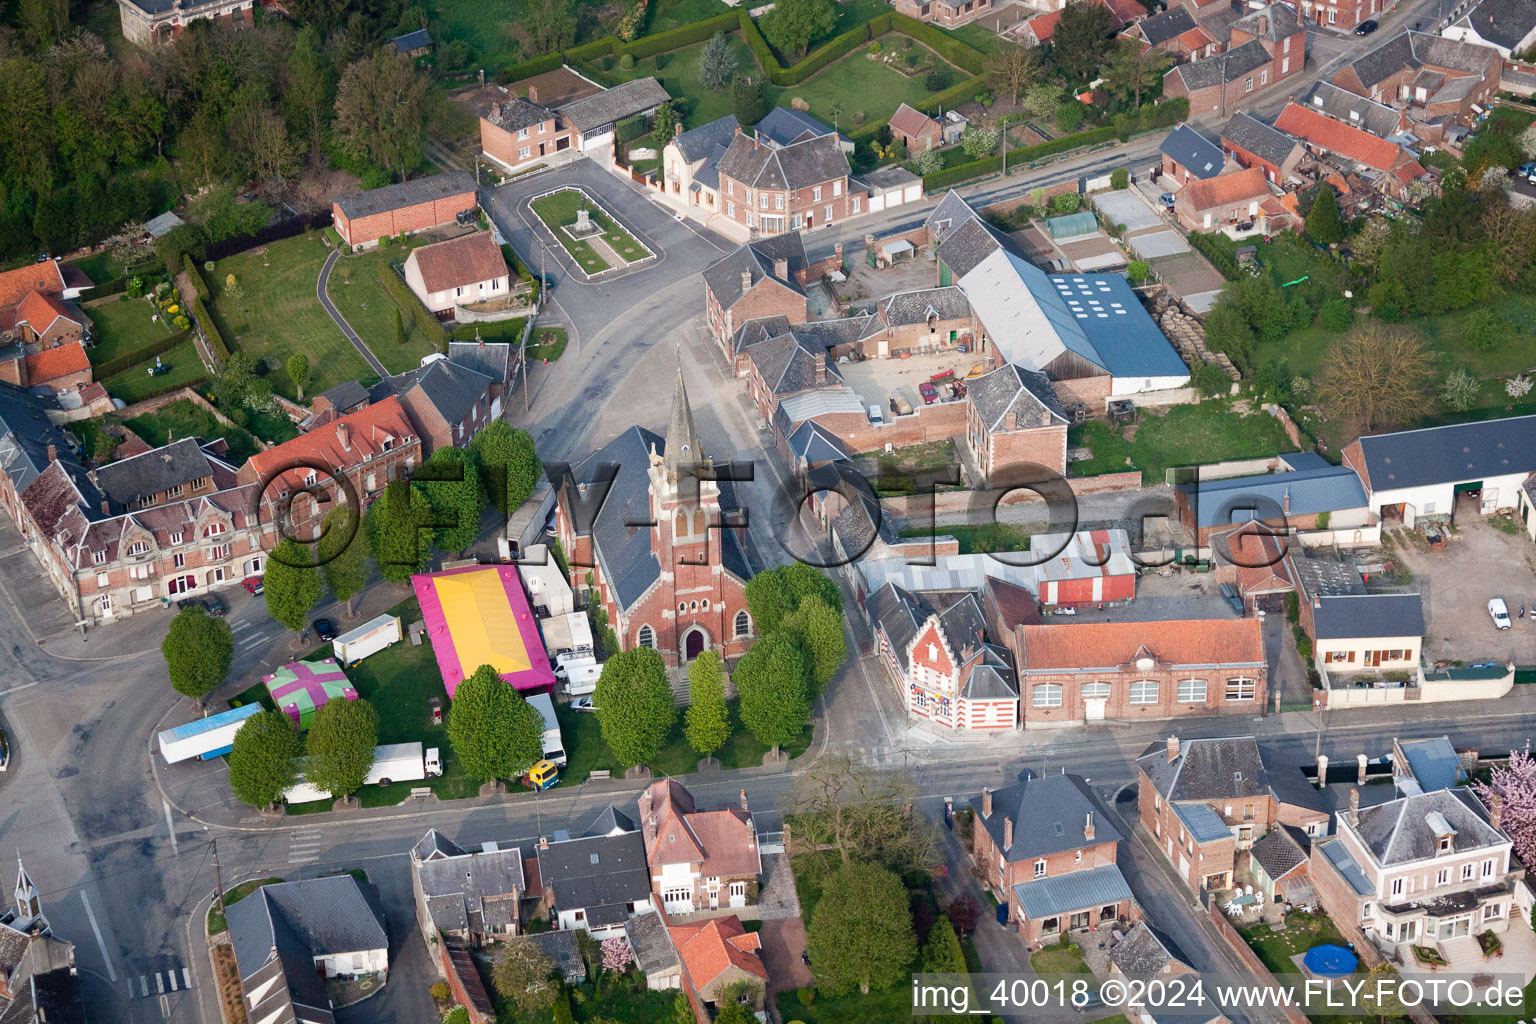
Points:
point(635, 706)
point(717, 63)
point(508, 463)
point(381, 111)
point(862, 812)
point(942, 953)
point(1081, 38)
point(821, 631)
point(262, 134)
point(1132, 69)
point(793, 24)
point(707, 722)
point(339, 749)
point(398, 531)
point(1511, 232)
point(1515, 785)
point(264, 760)
point(298, 371)
point(292, 584)
point(495, 733)
point(197, 649)
point(343, 549)
point(773, 679)
point(1376, 375)
point(1323, 223)
point(523, 977)
point(1013, 68)
point(860, 935)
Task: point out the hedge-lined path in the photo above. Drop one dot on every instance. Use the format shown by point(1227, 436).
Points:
point(325, 300)
point(188, 292)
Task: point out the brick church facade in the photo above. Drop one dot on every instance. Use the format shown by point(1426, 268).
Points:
point(652, 536)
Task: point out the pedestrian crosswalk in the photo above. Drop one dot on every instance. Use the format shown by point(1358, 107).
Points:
point(304, 846)
point(162, 975)
point(251, 635)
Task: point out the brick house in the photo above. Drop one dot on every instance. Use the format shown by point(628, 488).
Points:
point(1507, 27)
point(690, 163)
point(445, 401)
point(297, 480)
point(1176, 32)
point(469, 898)
point(698, 859)
point(770, 190)
point(1130, 671)
point(1250, 142)
point(405, 208)
point(1426, 76)
point(52, 281)
point(1014, 422)
point(149, 23)
point(948, 13)
point(1146, 952)
point(1222, 202)
point(659, 537)
point(45, 321)
point(516, 132)
point(1395, 167)
point(916, 130)
point(1297, 492)
point(762, 278)
point(1266, 46)
point(1046, 849)
point(934, 647)
point(1430, 869)
point(1189, 156)
point(458, 272)
point(61, 369)
point(716, 955)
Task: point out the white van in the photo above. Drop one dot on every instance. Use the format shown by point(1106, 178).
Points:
point(581, 679)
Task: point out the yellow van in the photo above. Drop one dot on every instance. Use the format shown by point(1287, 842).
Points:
point(544, 774)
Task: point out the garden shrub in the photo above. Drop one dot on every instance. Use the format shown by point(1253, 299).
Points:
point(425, 321)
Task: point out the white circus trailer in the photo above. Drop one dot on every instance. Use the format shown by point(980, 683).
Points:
point(392, 762)
point(205, 738)
point(369, 638)
point(554, 746)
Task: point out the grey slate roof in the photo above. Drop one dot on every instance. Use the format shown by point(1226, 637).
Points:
point(1289, 785)
point(611, 819)
point(1258, 138)
point(1223, 67)
point(1318, 577)
point(1207, 769)
point(604, 108)
point(991, 676)
point(964, 248)
point(304, 919)
point(1399, 831)
point(1160, 28)
point(491, 359)
point(1275, 22)
point(1277, 853)
point(1504, 23)
point(755, 258)
point(861, 523)
point(1302, 492)
point(1203, 823)
point(901, 614)
point(1076, 890)
point(452, 389)
point(565, 950)
point(783, 125)
point(1193, 151)
point(477, 891)
point(407, 193)
point(1453, 453)
point(411, 41)
point(788, 364)
point(43, 981)
point(1341, 104)
point(1344, 862)
point(654, 952)
point(915, 307)
point(1144, 950)
point(811, 443)
point(25, 434)
point(1416, 49)
point(1368, 616)
point(591, 872)
point(1433, 762)
point(435, 846)
point(1012, 389)
point(698, 143)
point(1049, 814)
point(517, 112)
point(141, 476)
point(798, 165)
point(345, 395)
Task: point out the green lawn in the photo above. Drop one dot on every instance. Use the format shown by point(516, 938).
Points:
point(560, 208)
point(668, 14)
point(987, 537)
point(100, 267)
point(216, 922)
point(360, 297)
point(183, 419)
point(678, 73)
point(1186, 435)
point(894, 1004)
point(121, 325)
point(1059, 960)
point(135, 384)
point(493, 28)
point(273, 313)
point(547, 343)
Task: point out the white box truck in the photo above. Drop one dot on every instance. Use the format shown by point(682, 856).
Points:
point(369, 638)
point(392, 762)
point(554, 746)
point(580, 678)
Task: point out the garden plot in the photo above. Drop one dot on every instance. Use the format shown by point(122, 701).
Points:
point(597, 241)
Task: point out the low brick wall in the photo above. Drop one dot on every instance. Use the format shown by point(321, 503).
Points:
point(1007, 206)
point(159, 402)
point(1261, 974)
point(951, 502)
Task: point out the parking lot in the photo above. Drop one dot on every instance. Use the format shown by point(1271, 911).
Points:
point(875, 379)
point(1482, 562)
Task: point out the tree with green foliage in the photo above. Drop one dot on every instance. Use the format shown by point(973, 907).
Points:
point(1120, 179)
point(198, 649)
point(509, 466)
point(1067, 202)
point(662, 125)
point(1336, 315)
point(339, 748)
point(793, 24)
point(1212, 381)
point(749, 99)
point(861, 936)
point(343, 551)
point(1138, 271)
point(820, 629)
point(264, 760)
point(735, 1013)
point(1081, 39)
point(298, 372)
point(381, 111)
point(980, 142)
point(942, 953)
point(774, 594)
point(524, 976)
point(1070, 113)
point(774, 678)
point(451, 480)
point(717, 63)
point(1132, 69)
point(635, 709)
point(1323, 224)
point(1040, 102)
point(707, 723)
point(292, 585)
point(1484, 330)
point(399, 531)
point(495, 733)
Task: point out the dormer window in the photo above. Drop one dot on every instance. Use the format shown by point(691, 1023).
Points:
point(99, 557)
point(1445, 835)
point(176, 537)
point(213, 529)
point(138, 547)
point(1445, 844)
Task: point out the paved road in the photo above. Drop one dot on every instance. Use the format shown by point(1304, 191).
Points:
point(323, 294)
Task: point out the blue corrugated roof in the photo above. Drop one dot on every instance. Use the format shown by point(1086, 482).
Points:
point(1096, 887)
point(202, 725)
point(1310, 491)
point(1340, 858)
point(1203, 823)
point(1128, 341)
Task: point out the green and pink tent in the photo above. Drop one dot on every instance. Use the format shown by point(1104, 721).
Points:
point(300, 688)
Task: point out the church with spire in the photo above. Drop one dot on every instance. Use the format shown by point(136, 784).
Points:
point(656, 539)
point(39, 983)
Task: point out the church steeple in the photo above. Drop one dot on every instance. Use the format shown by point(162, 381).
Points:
point(684, 453)
point(27, 902)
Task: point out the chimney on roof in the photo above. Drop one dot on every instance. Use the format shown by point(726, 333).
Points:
point(677, 129)
point(53, 453)
point(496, 111)
point(1088, 826)
point(1360, 760)
point(482, 77)
point(821, 367)
point(781, 268)
point(533, 93)
point(1007, 834)
point(344, 434)
point(1011, 421)
point(1354, 798)
point(1285, 502)
point(986, 802)
point(1322, 770)
point(746, 280)
point(1173, 747)
point(744, 800)
point(1496, 812)
point(543, 842)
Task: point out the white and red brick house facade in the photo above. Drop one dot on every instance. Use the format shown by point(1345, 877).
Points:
point(406, 208)
point(934, 647)
point(1046, 850)
point(699, 860)
point(770, 190)
point(150, 22)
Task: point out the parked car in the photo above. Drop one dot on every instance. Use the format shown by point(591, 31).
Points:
point(1527, 171)
point(324, 629)
point(215, 605)
point(582, 704)
point(1168, 201)
point(929, 392)
point(436, 704)
point(1090, 1000)
point(252, 584)
point(1366, 27)
point(188, 602)
point(1499, 611)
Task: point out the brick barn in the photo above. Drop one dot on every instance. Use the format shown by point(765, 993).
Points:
point(405, 208)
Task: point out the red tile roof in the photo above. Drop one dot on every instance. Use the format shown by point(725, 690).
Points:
point(40, 277)
point(368, 431)
point(1247, 183)
point(724, 841)
point(53, 363)
point(1260, 565)
point(1124, 12)
point(459, 262)
point(913, 123)
point(708, 949)
point(1324, 132)
point(1196, 38)
point(39, 310)
point(1173, 642)
point(1043, 26)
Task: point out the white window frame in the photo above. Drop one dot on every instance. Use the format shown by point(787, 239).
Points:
point(1139, 692)
point(1097, 691)
point(1192, 691)
point(837, 189)
point(816, 194)
point(1040, 868)
point(1045, 695)
point(858, 204)
point(1242, 689)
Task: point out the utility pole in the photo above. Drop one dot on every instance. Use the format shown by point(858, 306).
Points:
point(1317, 747)
point(218, 877)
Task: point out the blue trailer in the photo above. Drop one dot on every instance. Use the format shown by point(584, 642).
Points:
point(205, 738)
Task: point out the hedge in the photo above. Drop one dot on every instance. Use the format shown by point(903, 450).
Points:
point(210, 331)
point(499, 330)
point(961, 55)
point(198, 284)
point(529, 68)
point(128, 360)
point(677, 38)
point(429, 324)
point(755, 41)
point(1220, 258)
point(991, 164)
point(112, 287)
point(820, 57)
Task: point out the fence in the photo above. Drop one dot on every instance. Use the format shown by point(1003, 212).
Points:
point(271, 233)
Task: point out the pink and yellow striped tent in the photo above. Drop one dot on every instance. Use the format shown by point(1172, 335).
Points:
point(300, 688)
point(479, 615)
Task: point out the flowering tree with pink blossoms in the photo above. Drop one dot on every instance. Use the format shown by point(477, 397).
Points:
point(1515, 787)
point(617, 955)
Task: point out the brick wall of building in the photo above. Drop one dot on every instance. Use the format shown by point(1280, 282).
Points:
point(1118, 706)
point(410, 219)
point(1041, 446)
point(930, 423)
point(1091, 391)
